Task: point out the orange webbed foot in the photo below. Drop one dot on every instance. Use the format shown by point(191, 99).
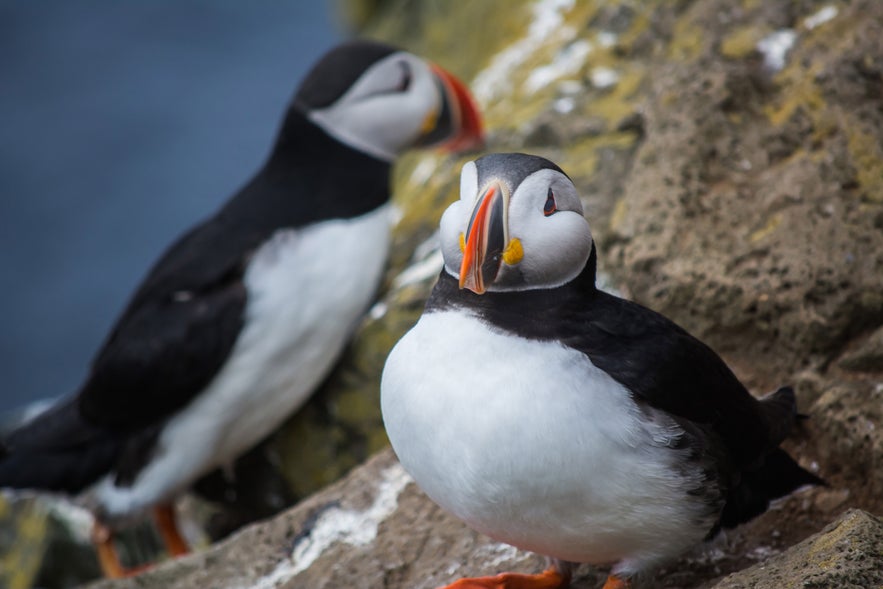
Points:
point(108, 558)
point(548, 579)
point(614, 582)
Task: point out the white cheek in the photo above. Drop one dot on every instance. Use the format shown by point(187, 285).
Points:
point(555, 249)
point(382, 126)
point(468, 183)
point(348, 124)
point(392, 122)
point(399, 130)
point(400, 118)
point(451, 226)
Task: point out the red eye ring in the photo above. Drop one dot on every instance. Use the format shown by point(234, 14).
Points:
point(550, 207)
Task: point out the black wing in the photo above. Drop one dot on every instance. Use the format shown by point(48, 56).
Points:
point(176, 332)
point(668, 369)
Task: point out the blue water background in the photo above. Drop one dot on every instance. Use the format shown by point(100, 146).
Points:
point(122, 123)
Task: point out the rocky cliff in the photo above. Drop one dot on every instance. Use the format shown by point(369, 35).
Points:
point(730, 157)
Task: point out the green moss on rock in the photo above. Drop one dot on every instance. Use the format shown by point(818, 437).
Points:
point(742, 41)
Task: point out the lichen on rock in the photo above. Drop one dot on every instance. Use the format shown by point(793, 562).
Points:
point(845, 554)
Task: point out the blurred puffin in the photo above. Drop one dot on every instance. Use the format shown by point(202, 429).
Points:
point(246, 313)
point(558, 418)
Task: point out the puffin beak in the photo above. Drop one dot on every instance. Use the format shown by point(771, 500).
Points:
point(485, 241)
point(458, 126)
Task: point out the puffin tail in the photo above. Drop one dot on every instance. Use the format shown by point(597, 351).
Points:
point(56, 451)
point(780, 411)
point(776, 474)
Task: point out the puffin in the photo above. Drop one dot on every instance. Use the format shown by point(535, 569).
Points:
point(246, 313)
point(561, 419)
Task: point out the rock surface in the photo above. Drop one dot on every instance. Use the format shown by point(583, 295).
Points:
point(376, 529)
point(43, 543)
point(847, 553)
point(730, 156)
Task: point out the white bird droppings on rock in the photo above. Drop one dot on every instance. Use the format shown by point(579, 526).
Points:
point(497, 554)
point(336, 525)
point(568, 61)
point(429, 263)
point(547, 23)
point(78, 520)
point(564, 105)
point(821, 17)
point(356, 528)
point(570, 87)
point(422, 270)
point(607, 39)
point(395, 215)
point(423, 171)
point(604, 77)
point(775, 47)
point(279, 575)
point(378, 310)
point(452, 568)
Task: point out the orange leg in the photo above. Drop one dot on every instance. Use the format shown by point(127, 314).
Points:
point(614, 582)
point(108, 559)
point(549, 579)
point(164, 515)
point(110, 563)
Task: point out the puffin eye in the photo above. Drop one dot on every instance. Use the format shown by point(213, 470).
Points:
point(405, 81)
point(549, 207)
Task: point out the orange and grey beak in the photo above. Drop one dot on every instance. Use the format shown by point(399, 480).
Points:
point(457, 127)
point(485, 241)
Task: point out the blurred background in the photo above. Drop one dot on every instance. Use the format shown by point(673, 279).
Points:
point(121, 125)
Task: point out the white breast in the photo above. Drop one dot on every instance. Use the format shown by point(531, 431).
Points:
point(531, 444)
point(307, 290)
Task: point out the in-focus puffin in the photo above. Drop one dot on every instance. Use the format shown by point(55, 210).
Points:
point(558, 418)
point(245, 314)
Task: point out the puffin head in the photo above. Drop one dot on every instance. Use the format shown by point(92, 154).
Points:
point(382, 101)
point(518, 225)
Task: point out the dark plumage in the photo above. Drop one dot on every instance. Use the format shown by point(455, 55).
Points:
point(246, 313)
